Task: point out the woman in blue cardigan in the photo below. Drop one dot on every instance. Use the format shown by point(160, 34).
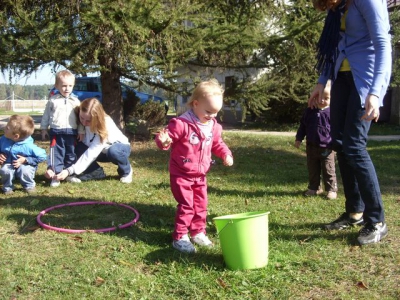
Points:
point(354, 62)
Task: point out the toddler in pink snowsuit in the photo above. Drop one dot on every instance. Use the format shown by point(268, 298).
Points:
point(193, 137)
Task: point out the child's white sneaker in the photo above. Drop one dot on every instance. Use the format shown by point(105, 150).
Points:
point(54, 183)
point(202, 240)
point(184, 245)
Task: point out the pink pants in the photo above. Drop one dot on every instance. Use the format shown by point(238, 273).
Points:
point(191, 212)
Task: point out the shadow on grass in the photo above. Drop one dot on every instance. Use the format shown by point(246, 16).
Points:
point(252, 164)
point(151, 228)
point(305, 233)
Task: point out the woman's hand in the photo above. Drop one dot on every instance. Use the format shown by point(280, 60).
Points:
point(371, 108)
point(320, 92)
point(62, 175)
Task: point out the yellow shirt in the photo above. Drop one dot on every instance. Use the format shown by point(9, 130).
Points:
point(345, 63)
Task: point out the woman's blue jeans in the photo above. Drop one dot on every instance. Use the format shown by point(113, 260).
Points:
point(349, 136)
point(118, 154)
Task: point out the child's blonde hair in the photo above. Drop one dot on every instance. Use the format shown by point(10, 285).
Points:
point(93, 107)
point(204, 89)
point(62, 74)
point(24, 125)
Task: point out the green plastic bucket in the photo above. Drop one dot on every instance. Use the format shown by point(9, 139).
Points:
point(244, 239)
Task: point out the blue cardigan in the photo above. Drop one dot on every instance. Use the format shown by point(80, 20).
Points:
point(366, 45)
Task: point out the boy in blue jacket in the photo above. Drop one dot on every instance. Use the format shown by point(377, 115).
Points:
point(19, 156)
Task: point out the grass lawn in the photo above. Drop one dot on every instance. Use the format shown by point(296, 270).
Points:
point(269, 174)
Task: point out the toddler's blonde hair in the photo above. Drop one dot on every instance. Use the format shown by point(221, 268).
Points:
point(62, 74)
point(204, 89)
point(24, 125)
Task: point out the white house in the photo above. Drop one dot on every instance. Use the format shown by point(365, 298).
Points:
point(231, 112)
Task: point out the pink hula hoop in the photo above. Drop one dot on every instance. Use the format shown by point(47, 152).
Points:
point(58, 229)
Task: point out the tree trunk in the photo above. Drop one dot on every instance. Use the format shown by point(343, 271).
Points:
point(112, 96)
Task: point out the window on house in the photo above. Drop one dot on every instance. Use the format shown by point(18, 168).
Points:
point(230, 84)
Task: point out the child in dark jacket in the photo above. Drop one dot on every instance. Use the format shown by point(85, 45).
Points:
point(19, 156)
point(315, 125)
point(192, 138)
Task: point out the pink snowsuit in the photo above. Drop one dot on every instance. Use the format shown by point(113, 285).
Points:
point(189, 163)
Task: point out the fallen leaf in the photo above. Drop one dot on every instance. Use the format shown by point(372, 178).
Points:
point(33, 228)
point(222, 283)
point(77, 238)
point(23, 222)
point(246, 202)
point(362, 285)
point(354, 248)
point(304, 241)
point(34, 202)
point(278, 266)
point(99, 281)
point(125, 263)
point(71, 191)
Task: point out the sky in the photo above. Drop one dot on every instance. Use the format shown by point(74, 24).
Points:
point(43, 76)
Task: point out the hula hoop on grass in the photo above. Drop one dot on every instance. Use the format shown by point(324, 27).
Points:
point(48, 227)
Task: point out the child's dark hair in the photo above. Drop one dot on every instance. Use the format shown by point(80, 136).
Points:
point(22, 125)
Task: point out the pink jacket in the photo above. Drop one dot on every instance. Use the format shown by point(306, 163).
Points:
point(191, 150)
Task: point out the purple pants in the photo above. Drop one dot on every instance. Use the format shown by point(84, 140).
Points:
point(191, 212)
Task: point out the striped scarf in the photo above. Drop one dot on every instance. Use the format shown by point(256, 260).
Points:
point(328, 42)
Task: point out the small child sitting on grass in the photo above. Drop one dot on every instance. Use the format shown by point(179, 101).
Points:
point(315, 124)
point(19, 156)
point(192, 138)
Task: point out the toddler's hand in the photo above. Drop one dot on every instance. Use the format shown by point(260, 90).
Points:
point(297, 144)
point(44, 134)
point(228, 161)
point(49, 174)
point(164, 138)
point(3, 158)
point(81, 136)
point(19, 161)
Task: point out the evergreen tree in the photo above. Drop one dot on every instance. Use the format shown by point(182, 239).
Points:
point(148, 40)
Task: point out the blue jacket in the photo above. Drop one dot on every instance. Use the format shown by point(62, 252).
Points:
point(316, 125)
point(26, 148)
point(366, 45)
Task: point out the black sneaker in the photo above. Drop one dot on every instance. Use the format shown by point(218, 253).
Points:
point(372, 233)
point(343, 222)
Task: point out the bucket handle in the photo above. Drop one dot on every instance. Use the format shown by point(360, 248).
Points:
point(227, 223)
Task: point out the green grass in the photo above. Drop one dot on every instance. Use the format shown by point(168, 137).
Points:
point(10, 113)
point(384, 129)
point(269, 174)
